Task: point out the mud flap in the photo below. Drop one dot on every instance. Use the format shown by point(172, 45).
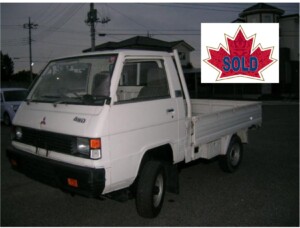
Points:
point(172, 178)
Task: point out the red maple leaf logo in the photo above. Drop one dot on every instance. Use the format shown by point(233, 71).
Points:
point(240, 59)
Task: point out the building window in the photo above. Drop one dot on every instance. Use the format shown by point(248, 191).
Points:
point(182, 56)
point(254, 18)
point(267, 18)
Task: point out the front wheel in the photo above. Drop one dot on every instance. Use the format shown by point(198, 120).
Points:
point(151, 189)
point(233, 157)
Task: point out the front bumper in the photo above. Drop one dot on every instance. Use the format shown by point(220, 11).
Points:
point(90, 182)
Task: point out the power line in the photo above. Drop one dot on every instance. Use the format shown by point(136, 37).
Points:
point(50, 28)
point(50, 12)
point(129, 18)
point(61, 44)
point(194, 7)
point(62, 20)
point(16, 41)
point(165, 30)
point(148, 33)
point(59, 12)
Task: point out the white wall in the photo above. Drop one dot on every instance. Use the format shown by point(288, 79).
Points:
point(289, 36)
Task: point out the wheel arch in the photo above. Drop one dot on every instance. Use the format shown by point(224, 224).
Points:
point(230, 161)
point(162, 152)
point(242, 135)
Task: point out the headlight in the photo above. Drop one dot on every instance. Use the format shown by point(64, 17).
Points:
point(89, 147)
point(16, 133)
point(19, 133)
point(83, 146)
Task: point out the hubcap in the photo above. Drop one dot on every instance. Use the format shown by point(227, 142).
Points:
point(235, 155)
point(158, 190)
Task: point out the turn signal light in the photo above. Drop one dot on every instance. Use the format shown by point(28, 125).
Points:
point(73, 182)
point(95, 143)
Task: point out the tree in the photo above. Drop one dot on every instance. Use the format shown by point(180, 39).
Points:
point(23, 76)
point(7, 67)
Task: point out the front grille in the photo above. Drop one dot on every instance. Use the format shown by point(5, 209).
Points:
point(91, 182)
point(49, 141)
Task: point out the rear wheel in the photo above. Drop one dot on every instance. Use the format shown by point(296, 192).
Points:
point(233, 157)
point(151, 189)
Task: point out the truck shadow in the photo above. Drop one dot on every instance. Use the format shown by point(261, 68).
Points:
point(182, 165)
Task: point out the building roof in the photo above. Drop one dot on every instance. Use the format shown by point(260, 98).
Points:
point(239, 20)
point(142, 43)
point(296, 15)
point(261, 8)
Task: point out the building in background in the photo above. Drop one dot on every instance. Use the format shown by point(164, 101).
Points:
point(148, 43)
point(261, 13)
point(288, 44)
point(289, 53)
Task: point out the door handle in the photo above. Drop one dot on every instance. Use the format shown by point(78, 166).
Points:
point(169, 110)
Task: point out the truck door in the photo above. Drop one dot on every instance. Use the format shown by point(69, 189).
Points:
point(143, 116)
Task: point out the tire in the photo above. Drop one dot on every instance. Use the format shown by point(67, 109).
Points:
point(6, 119)
point(151, 189)
point(232, 159)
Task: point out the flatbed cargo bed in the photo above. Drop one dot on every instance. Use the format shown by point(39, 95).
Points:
point(214, 119)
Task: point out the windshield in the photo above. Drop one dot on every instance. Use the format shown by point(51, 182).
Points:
point(80, 80)
point(17, 95)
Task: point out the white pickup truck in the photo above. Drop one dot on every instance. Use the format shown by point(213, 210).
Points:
point(106, 123)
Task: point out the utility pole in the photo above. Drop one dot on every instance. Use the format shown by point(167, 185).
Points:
point(30, 26)
point(92, 18)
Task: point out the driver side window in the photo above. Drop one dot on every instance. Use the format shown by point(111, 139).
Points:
point(143, 80)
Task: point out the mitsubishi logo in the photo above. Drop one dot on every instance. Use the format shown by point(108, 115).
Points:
point(43, 122)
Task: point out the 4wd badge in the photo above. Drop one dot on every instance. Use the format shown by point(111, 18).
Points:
point(79, 120)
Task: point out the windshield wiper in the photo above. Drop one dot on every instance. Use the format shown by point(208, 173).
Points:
point(39, 99)
point(68, 100)
point(51, 96)
point(105, 99)
point(100, 100)
point(28, 101)
point(59, 102)
point(86, 99)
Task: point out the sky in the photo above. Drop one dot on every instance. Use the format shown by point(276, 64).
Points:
point(62, 31)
